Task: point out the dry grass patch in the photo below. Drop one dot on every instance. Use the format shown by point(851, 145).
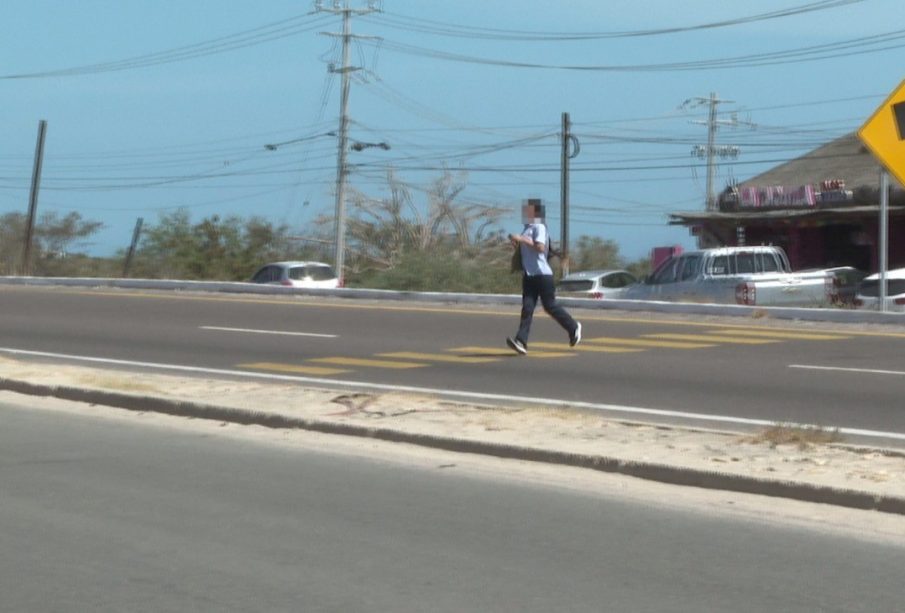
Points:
point(560, 415)
point(802, 436)
point(118, 384)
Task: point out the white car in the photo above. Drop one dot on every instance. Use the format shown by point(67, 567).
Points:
point(297, 274)
point(596, 284)
point(868, 296)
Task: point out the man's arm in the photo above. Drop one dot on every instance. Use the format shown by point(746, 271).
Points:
point(539, 246)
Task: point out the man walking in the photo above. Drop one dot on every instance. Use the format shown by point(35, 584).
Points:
point(537, 279)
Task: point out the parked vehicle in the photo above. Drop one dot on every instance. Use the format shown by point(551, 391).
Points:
point(868, 296)
point(596, 284)
point(740, 275)
point(297, 274)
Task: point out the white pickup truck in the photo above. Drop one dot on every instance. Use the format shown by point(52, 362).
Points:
point(735, 275)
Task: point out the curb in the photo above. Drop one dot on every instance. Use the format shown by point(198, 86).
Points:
point(643, 470)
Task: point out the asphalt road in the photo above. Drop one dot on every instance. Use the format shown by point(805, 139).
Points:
point(826, 374)
point(111, 515)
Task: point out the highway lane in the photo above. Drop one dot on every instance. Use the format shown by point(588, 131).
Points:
point(100, 514)
point(742, 370)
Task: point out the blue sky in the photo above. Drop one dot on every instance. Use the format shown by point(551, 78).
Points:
point(156, 136)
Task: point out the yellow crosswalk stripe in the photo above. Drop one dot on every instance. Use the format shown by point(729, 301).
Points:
point(780, 334)
point(714, 338)
point(647, 343)
point(585, 347)
point(437, 357)
point(293, 368)
point(368, 363)
point(508, 353)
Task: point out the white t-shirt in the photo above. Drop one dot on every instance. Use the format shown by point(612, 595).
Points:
point(533, 261)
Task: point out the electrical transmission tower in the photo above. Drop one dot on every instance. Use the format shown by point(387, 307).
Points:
point(341, 7)
point(711, 150)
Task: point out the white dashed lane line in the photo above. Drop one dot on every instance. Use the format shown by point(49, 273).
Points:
point(866, 371)
point(277, 332)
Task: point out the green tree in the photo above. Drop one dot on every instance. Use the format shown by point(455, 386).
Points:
point(215, 248)
point(595, 253)
point(55, 242)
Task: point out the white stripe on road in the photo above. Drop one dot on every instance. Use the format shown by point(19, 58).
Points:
point(218, 328)
point(870, 371)
point(548, 402)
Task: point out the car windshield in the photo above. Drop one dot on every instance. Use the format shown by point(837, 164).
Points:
point(576, 285)
point(316, 273)
point(666, 273)
point(871, 288)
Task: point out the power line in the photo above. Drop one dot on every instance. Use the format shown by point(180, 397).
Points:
point(856, 46)
point(551, 168)
point(239, 40)
point(427, 26)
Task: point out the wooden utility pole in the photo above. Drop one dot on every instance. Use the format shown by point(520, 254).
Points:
point(33, 198)
point(136, 234)
point(570, 149)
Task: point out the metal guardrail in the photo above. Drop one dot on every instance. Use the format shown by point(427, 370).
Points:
point(801, 313)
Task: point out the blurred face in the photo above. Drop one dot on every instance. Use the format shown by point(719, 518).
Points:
point(530, 214)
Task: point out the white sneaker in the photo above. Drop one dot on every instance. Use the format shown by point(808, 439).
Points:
point(516, 345)
point(576, 336)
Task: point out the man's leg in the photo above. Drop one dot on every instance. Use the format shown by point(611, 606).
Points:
point(530, 292)
point(548, 299)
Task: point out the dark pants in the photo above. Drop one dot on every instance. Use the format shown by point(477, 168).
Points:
point(541, 286)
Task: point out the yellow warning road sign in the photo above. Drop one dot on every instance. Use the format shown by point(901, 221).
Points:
point(884, 133)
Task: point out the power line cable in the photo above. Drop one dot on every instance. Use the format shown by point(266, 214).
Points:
point(427, 26)
point(812, 53)
point(240, 40)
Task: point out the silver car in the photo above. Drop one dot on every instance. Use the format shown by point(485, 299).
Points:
point(596, 284)
point(868, 296)
point(297, 274)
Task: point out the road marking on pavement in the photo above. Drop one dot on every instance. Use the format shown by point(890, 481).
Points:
point(640, 342)
point(279, 332)
point(296, 368)
point(503, 353)
point(713, 338)
point(436, 357)
point(870, 371)
point(585, 347)
point(505, 398)
point(782, 334)
point(369, 363)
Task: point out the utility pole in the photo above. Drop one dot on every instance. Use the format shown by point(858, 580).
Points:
point(33, 198)
point(884, 236)
point(711, 139)
point(136, 234)
point(341, 7)
point(570, 149)
point(710, 151)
